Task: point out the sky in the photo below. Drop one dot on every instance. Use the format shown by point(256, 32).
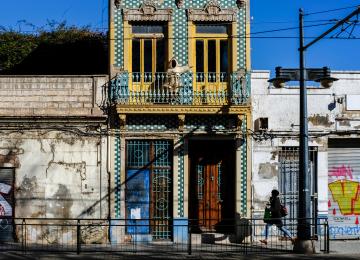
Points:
point(266, 15)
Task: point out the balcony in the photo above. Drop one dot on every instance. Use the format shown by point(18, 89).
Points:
point(186, 89)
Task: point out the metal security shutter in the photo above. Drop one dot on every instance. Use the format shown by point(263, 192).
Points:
point(350, 157)
point(343, 187)
point(6, 204)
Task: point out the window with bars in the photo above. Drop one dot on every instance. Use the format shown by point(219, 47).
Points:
point(152, 160)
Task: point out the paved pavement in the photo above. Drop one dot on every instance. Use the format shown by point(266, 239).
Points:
point(139, 256)
point(345, 247)
point(340, 249)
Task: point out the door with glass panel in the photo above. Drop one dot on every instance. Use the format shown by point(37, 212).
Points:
point(148, 59)
point(148, 188)
point(212, 51)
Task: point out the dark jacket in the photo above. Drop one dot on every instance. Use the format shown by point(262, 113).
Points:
point(275, 212)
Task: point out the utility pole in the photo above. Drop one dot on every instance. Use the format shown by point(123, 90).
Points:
point(304, 243)
point(304, 189)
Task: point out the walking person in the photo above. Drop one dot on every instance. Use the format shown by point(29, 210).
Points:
point(275, 217)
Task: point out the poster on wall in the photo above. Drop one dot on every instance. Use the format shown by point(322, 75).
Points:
point(6, 204)
point(5, 207)
point(344, 193)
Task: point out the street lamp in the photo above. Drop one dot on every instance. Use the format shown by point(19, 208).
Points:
point(322, 75)
point(303, 243)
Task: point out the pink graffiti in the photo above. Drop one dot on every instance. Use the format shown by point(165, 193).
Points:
point(342, 171)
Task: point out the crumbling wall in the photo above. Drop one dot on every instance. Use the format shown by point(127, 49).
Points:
point(327, 116)
point(57, 174)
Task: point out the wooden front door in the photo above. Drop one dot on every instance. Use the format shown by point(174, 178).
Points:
point(208, 193)
point(212, 184)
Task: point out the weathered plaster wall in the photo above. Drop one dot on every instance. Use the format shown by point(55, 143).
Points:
point(327, 118)
point(50, 134)
point(57, 175)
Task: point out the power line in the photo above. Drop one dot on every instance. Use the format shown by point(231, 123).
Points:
point(260, 32)
point(96, 29)
point(232, 37)
point(332, 10)
point(291, 28)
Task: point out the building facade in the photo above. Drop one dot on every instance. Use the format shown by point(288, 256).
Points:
point(53, 147)
point(180, 96)
point(333, 115)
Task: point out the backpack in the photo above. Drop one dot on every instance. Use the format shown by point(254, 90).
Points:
point(283, 210)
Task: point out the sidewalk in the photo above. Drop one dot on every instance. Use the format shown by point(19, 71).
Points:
point(339, 249)
point(138, 256)
point(345, 247)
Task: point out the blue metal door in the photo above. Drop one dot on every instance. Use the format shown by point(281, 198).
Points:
point(138, 201)
point(149, 187)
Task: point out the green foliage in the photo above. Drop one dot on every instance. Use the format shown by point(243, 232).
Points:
point(17, 47)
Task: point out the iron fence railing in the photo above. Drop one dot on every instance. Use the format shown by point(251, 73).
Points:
point(179, 88)
point(236, 236)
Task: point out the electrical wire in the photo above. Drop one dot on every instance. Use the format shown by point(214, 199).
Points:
point(290, 28)
point(241, 35)
point(333, 10)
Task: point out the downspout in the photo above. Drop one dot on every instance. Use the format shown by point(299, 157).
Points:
point(110, 68)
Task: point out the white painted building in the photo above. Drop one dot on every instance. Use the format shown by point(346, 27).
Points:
point(334, 127)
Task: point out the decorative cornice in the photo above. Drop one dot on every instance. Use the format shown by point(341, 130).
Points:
point(212, 12)
point(148, 11)
point(170, 109)
point(212, 7)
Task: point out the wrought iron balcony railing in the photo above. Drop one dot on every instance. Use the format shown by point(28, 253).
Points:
point(179, 89)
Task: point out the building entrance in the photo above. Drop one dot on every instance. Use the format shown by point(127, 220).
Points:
point(212, 184)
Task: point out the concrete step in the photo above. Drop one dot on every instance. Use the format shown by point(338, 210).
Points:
point(210, 238)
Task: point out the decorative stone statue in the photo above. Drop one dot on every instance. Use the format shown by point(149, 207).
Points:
point(179, 3)
point(173, 76)
point(117, 3)
point(240, 3)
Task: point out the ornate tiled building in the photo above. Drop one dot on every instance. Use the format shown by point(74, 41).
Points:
point(180, 96)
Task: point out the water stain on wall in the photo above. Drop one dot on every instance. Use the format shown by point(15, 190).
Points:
point(319, 120)
point(29, 190)
point(61, 202)
point(268, 170)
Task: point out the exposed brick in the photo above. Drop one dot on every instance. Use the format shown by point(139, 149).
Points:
point(85, 99)
point(64, 105)
point(22, 96)
point(88, 105)
point(76, 105)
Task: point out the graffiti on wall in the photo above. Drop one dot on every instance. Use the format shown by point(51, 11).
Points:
point(344, 202)
point(5, 207)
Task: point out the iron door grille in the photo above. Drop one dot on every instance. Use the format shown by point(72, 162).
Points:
point(289, 183)
point(7, 176)
point(155, 156)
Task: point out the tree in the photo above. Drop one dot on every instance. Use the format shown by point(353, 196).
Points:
point(57, 49)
